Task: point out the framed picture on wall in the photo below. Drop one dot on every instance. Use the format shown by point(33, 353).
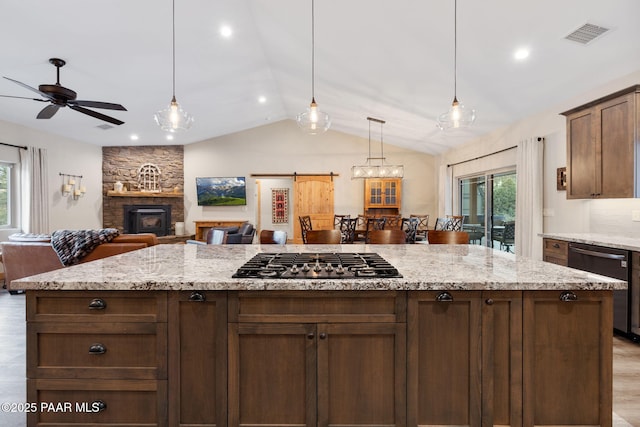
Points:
point(279, 205)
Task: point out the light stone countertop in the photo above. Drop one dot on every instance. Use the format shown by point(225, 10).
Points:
point(606, 240)
point(424, 267)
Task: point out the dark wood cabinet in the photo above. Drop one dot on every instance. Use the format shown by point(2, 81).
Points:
point(464, 358)
point(341, 369)
point(555, 251)
point(602, 152)
point(567, 343)
point(198, 359)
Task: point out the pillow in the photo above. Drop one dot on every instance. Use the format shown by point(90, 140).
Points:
point(29, 237)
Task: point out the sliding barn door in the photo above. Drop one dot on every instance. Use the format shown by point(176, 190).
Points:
point(313, 196)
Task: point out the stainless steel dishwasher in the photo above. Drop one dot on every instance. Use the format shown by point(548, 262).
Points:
point(611, 263)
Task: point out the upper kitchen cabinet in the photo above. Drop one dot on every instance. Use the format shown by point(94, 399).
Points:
point(382, 196)
point(602, 147)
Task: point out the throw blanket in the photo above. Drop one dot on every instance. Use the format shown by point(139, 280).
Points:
point(72, 245)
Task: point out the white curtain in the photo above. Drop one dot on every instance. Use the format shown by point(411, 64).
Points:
point(446, 189)
point(35, 190)
point(529, 197)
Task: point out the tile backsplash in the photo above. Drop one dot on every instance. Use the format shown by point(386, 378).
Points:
point(614, 216)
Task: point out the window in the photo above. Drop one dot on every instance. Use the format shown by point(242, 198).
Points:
point(488, 204)
point(6, 194)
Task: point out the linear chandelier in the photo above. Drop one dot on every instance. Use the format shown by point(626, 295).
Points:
point(381, 170)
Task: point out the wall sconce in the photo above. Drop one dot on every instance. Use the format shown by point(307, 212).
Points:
point(71, 187)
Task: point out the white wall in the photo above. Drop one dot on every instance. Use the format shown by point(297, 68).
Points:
point(282, 148)
point(70, 157)
point(561, 215)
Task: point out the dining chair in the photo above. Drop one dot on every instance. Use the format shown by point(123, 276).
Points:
point(348, 229)
point(305, 225)
point(455, 222)
point(273, 237)
point(337, 219)
point(423, 225)
point(216, 237)
point(393, 222)
point(410, 228)
point(324, 237)
point(448, 237)
point(387, 237)
point(373, 223)
point(441, 224)
point(508, 237)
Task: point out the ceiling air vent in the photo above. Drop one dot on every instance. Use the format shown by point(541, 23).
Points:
point(586, 34)
point(105, 127)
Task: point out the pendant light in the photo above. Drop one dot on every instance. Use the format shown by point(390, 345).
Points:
point(457, 116)
point(174, 118)
point(381, 170)
point(313, 121)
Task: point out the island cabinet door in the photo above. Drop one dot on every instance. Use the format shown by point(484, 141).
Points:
point(444, 358)
point(198, 359)
point(568, 343)
point(272, 374)
point(361, 374)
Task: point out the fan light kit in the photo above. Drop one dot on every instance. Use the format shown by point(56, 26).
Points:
point(457, 116)
point(313, 121)
point(174, 118)
point(60, 96)
point(376, 171)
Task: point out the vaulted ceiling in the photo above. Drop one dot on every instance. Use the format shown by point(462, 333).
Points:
point(390, 59)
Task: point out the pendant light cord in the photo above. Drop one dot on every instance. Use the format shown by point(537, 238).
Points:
point(173, 23)
point(455, 50)
point(313, 52)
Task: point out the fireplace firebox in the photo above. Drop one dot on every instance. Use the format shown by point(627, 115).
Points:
point(147, 219)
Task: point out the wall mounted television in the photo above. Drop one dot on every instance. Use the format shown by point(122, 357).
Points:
point(221, 191)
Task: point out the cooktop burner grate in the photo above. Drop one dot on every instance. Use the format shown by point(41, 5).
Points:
point(313, 265)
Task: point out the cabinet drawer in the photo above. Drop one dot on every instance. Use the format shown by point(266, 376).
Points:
point(96, 306)
point(342, 306)
point(97, 350)
point(73, 402)
point(635, 262)
point(556, 251)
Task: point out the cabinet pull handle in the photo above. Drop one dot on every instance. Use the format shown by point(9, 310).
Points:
point(311, 335)
point(323, 336)
point(568, 296)
point(197, 297)
point(100, 405)
point(556, 245)
point(489, 301)
point(97, 349)
point(444, 297)
point(97, 304)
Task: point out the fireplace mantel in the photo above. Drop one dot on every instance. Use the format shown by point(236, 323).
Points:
point(112, 193)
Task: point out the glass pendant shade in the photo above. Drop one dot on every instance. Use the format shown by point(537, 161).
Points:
point(457, 116)
point(173, 118)
point(313, 121)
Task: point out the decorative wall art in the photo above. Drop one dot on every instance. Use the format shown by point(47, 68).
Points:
point(279, 205)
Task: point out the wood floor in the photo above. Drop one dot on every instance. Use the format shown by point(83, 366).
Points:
point(626, 368)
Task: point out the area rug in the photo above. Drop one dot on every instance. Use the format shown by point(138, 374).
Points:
point(279, 205)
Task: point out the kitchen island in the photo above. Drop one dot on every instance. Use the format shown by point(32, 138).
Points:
point(468, 336)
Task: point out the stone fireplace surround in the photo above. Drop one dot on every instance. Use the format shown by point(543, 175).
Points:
point(122, 163)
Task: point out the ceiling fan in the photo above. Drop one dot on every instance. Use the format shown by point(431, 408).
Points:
point(60, 96)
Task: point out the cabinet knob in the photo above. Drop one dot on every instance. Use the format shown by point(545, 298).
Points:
point(100, 405)
point(489, 301)
point(568, 296)
point(444, 297)
point(311, 335)
point(97, 349)
point(556, 245)
point(323, 336)
point(97, 304)
point(197, 297)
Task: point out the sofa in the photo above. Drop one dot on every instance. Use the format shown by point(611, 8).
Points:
point(28, 257)
point(244, 235)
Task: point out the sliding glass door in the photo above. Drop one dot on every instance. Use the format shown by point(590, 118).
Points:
point(488, 204)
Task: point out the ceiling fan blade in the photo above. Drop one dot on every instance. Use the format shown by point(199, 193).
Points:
point(96, 115)
point(48, 111)
point(97, 104)
point(46, 95)
point(24, 97)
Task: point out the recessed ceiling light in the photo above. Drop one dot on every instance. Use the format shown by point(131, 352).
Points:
point(521, 54)
point(134, 137)
point(226, 31)
point(262, 99)
point(169, 137)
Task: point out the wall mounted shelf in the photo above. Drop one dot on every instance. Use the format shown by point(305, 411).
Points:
point(112, 193)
